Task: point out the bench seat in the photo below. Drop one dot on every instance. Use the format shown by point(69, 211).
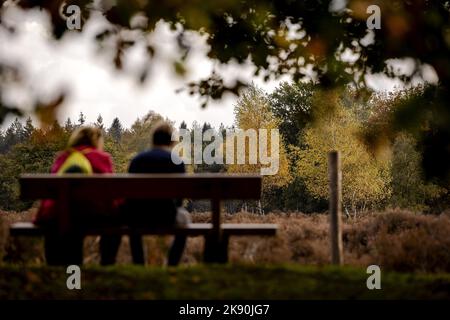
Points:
point(192, 229)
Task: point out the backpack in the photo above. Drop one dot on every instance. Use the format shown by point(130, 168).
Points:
point(76, 162)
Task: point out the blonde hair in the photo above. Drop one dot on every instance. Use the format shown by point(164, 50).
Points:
point(86, 136)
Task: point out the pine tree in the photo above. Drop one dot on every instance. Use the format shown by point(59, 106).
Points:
point(10, 138)
point(19, 131)
point(222, 129)
point(206, 126)
point(68, 126)
point(183, 125)
point(56, 129)
point(116, 130)
point(99, 123)
point(81, 119)
point(29, 128)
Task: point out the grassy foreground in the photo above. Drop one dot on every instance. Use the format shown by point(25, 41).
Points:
point(217, 282)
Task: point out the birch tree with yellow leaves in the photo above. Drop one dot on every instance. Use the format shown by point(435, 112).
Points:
point(365, 179)
point(252, 111)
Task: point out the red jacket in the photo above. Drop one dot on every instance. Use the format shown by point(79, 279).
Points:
point(101, 162)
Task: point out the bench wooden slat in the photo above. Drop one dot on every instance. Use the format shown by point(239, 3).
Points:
point(141, 186)
point(193, 229)
point(24, 229)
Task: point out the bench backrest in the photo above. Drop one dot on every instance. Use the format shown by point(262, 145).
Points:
point(216, 187)
point(141, 186)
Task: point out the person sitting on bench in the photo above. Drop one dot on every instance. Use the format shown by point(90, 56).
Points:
point(85, 155)
point(164, 212)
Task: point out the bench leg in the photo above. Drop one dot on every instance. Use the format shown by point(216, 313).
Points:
point(63, 250)
point(216, 250)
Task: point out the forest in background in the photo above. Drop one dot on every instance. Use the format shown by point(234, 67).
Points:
point(311, 122)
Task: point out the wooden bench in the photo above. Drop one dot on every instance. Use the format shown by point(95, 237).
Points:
point(106, 187)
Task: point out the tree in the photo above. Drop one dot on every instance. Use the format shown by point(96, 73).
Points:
point(8, 183)
point(99, 123)
point(28, 129)
point(115, 131)
point(183, 125)
point(13, 135)
point(81, 119)
point(34, 155)
point(252, 111)
point(222, 129)
point(206, 126)
point(68, 126)
point(291, 103)
point(306, 39)
point(365, 180)
point(138, 138)
point(9, 139)
point(409, 188)
point(119, 155)
point(19, 130)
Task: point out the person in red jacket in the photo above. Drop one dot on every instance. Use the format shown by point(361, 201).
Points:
point(66, 249)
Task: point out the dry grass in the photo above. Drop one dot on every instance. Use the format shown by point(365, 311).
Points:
point(396, 240)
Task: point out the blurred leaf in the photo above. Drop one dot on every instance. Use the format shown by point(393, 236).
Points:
point(46, 112)
point(179, 68)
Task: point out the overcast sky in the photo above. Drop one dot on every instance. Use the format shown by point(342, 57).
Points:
point(94, 86)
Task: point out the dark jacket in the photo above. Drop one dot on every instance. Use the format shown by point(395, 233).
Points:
point(153, 212)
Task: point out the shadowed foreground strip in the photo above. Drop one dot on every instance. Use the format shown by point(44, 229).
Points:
point(217, 282)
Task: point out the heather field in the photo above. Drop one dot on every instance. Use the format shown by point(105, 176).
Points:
point(396, 240)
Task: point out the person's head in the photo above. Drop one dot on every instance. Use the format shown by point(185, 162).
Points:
point(86, 136)
point(161, 135)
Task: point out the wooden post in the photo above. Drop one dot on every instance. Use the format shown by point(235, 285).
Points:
point(335, 207)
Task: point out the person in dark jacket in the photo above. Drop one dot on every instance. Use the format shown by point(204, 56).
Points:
point(161, 212)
